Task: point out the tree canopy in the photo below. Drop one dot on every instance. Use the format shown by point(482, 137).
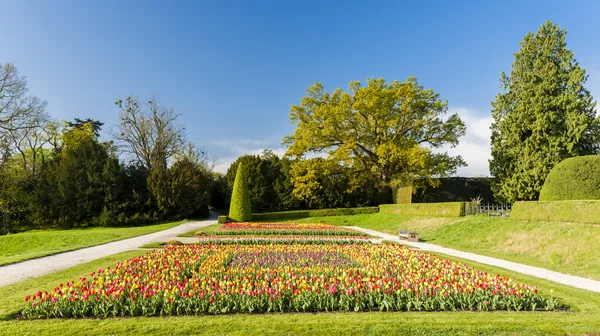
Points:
point(543, 116)
point(394, 131)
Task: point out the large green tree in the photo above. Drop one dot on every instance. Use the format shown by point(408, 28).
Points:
point(81, 185)
point(389, 130)
point(543, 115)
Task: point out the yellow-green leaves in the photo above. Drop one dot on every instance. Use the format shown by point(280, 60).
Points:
point(381, 129)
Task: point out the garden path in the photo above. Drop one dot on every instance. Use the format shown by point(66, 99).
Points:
point(565, 279)
point(32, 268)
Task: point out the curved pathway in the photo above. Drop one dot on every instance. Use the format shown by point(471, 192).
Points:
point(565, 279)
point(32, 268)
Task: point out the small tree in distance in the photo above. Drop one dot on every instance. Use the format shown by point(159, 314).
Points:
point(240, 209)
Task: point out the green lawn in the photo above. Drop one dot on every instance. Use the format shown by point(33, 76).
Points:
point(563, 247)
point(34, 244)
point(581, 319)
point(208, 229)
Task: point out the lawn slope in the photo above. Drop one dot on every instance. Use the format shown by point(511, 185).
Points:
point(34, 244)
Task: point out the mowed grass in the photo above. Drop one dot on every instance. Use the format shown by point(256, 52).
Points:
point(211, 229)
point(34, 244)
point(582, 317)
point(563, 247)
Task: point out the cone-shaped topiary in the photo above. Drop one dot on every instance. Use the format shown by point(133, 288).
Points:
point(239, 210)
point(577, 178)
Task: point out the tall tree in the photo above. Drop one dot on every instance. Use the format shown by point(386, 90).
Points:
point(151, 135)
point(17, 106)
point(80, 186)
point(385, 129)
point(543, 116)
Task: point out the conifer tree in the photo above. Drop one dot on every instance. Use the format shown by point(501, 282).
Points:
point(240, 209)
point(543, 116)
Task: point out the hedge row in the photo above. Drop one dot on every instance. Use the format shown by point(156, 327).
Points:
point(313, 213)
point(563, 211)
point(447, 209)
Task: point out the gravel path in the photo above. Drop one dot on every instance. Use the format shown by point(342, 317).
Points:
point(13, 273)
point(565, 279)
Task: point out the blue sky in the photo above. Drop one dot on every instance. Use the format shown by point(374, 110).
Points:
point(233, 68)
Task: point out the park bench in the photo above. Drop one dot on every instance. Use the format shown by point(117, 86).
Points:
point(409, 236)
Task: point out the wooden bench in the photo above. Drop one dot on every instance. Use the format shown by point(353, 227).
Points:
point(409, 236)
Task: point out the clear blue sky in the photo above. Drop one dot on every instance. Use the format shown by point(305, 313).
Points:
point(233, 68)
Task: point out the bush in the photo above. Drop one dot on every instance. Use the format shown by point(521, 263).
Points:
point(577, 178)
point(403, 195)
point(222, 219)
point(313, 213)
point(446, 209)
point(240, 210)
point(562, 211)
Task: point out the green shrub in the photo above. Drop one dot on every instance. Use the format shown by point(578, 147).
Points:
point(561, 211)
point(403, 195)
point(313, 213)
point(577, 178)
point(222, 219)
point(446, 209)
point(240, 210)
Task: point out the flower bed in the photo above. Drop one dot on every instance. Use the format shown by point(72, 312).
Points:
point(258, 240)
point(216, 279)
point(285, 229)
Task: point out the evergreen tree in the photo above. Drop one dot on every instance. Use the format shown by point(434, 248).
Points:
point(240, 210)
point(543, 115)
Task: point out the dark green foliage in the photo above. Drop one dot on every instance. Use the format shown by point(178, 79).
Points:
point(576, 178)
point(82, 186)
point(313, 213)
point(189, 186)
point(558, 211)
point(240, 209)
point(222, 219)
point(220, 193)
point(271, 188)
point(268, 184)
point(78, 123)
point(446, 209)
point(543, 116)
point(456, 189)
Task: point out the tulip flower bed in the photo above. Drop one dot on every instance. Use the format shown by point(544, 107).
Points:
point(257, 229)
point(214, 279)
point(286, 240)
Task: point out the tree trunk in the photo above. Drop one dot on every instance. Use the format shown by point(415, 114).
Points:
point(6, 220)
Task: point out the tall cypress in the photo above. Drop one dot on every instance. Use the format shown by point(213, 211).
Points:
point(240, 209)
point(544, 115)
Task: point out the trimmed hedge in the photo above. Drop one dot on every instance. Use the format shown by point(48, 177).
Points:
point(456, 189)
point(561, 211)
point(577, 178)
point(222, 219)
point(240, 210)
point(313, 213)
point(446, 209)
point(403, 195)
